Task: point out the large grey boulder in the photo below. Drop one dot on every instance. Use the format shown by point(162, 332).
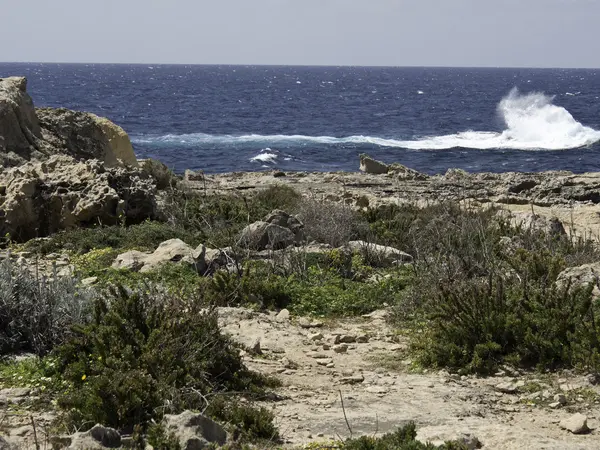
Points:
point(195, 431)
point(551, 226)
point(285, 220)
point(263, 235)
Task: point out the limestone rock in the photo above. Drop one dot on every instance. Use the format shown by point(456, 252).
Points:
point(98, 437)
point(581, 276)
point(118, 141)
point(42, 197)
point(175, 251)
point(262, 235)
point(380, 254)
point(530, 221)
point(195, 431)
point(6, 445)
point(172, 251)
point(370, 165)
point(132, 260)
point(576, 424)
point(85, 136)
point(285, 220)
point(19, 125)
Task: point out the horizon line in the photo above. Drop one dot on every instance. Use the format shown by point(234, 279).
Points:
point(301, 65)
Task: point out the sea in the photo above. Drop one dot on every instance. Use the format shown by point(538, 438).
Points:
point(252, 118)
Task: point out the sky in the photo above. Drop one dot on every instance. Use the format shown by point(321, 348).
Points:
point(480, 33)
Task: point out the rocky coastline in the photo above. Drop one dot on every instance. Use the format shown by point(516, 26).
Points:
point(64, 171)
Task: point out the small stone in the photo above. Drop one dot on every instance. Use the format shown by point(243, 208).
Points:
point(305, 323)
point(376, 390)
point(362, 339)
point(555, 405)
point(108, 437)
point(341, 348)
point(576, 424)
point(324, 362)
point(326, 347)
point(320, 435)
point(316, 337)
point(347, 339)
point(317, 355)
point(560, 398)
point(507, 388)
point(353, 379)
point(331, 365)
point(283, 315)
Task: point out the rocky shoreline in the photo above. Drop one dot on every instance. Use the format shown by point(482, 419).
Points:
point(64, 171)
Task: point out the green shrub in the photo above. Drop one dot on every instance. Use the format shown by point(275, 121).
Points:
point(253, 424)
point(476, 325)
point(402, 439)
point(36, 313)
point(144, 236)
point(144, 355)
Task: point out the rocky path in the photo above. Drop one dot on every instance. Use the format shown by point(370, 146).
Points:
point(367, 363)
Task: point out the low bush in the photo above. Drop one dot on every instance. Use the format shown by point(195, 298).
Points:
point(144, 236)
point(144, 355)
point(336, 227)
point(402, 439)
point(36, 313)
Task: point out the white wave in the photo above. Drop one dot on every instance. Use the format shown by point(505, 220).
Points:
point(265, 156)
point(533, 122)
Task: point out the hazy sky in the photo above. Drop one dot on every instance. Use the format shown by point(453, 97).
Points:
point(531, 33)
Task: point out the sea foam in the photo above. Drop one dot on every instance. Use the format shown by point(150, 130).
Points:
point(532, 121)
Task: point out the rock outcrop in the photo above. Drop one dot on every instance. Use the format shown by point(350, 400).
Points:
point(85, 136)
point(19, 126)
point(380, 255)
point(27, 133)
point(42, 197)
point(370, 165)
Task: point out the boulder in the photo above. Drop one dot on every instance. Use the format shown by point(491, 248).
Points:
point(380, 254)
point(581, 276)
point(195, 431)
point(173, 251)
point(132, 260)
point(19, 125)
point(262, 235)
point(285, 220)
point(576, 424)
point(159, 171)
point(534, 222)
point(42, 197)
point(176, 251)
point(370, 165)
point(98, 437)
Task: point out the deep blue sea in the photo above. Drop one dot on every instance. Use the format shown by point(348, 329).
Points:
point(241, 118)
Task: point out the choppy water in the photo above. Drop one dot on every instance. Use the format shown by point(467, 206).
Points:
point(234, 118)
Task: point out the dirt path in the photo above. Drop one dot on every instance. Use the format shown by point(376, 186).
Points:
point(380, 393)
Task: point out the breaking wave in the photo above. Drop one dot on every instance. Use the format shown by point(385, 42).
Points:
point(265, 156)
point(532, 121)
